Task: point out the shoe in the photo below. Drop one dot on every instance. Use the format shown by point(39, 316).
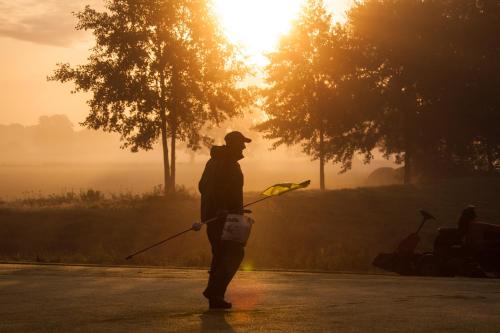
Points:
point(219, 304)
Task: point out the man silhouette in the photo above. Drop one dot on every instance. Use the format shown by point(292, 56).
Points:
point(221, 188)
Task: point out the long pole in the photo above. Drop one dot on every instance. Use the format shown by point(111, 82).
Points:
point(254, 202)
point(196, 228)
point(156, 244)
point(183, 232)
point(169, 238)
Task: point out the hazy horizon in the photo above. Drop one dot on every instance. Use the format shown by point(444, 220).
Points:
point(55, 156)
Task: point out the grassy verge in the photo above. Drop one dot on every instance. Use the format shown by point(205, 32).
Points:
point(331, 230)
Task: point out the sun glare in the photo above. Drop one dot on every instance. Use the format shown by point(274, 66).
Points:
point(256, 25)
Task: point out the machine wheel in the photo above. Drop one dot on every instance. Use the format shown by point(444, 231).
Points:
point(428, 265)
point(453, 266)
point(474, 270)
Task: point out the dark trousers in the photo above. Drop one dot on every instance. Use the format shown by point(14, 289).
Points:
point(226, 259)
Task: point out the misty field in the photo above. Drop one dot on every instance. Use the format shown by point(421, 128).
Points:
point(28, 180)
point(313, 230)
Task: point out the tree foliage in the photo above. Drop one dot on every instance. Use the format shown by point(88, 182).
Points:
point(159, 69)
point(301, 84)
point(437, 66)
point(417, 80)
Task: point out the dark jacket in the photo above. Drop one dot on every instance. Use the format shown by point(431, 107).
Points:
point(221, 185)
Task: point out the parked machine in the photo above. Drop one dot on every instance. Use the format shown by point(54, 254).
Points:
point(451, 255)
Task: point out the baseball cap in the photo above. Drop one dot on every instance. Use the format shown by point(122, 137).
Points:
point(236, 136)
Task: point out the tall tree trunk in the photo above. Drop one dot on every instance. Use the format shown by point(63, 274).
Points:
point(409, 132)
point(172, 158)
point(408, 167)
point(163, 119)
point(489, 157)
point(164, 144)
point(321, 158)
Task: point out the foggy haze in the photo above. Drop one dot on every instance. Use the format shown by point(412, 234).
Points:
point(56, 156)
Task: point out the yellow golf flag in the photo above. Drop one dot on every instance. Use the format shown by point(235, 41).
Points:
point(279, 189)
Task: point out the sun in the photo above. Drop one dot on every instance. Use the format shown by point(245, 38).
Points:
point(256, 25)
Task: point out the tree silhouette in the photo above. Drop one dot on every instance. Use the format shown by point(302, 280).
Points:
point(476, 71)
point(159, 69)
point(397, 38)
point(300, 91)
point(436, 64)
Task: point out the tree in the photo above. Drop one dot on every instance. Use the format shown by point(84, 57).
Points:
point(159, 69)
point(476, 45)
point(399, 40)
point(300, 85)
point(436, 64)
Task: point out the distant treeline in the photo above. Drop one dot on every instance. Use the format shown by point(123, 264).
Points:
point(52, 139)
point(419, 80)
point(55, 139)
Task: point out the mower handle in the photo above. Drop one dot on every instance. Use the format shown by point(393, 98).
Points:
point(426, 215)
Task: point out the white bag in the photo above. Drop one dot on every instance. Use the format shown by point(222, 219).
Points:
point(237, 228)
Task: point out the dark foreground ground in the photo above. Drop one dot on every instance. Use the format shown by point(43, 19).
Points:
point(101, 299)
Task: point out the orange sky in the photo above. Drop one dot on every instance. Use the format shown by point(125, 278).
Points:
point(34, 36)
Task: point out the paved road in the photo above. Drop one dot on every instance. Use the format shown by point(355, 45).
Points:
point(107, 299)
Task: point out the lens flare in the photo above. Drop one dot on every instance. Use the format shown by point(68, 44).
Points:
point(247, 266)
point(248, 294)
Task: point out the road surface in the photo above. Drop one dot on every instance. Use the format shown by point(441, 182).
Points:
point(41, 298)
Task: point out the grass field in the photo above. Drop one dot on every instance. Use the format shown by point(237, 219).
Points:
point(331, 230)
